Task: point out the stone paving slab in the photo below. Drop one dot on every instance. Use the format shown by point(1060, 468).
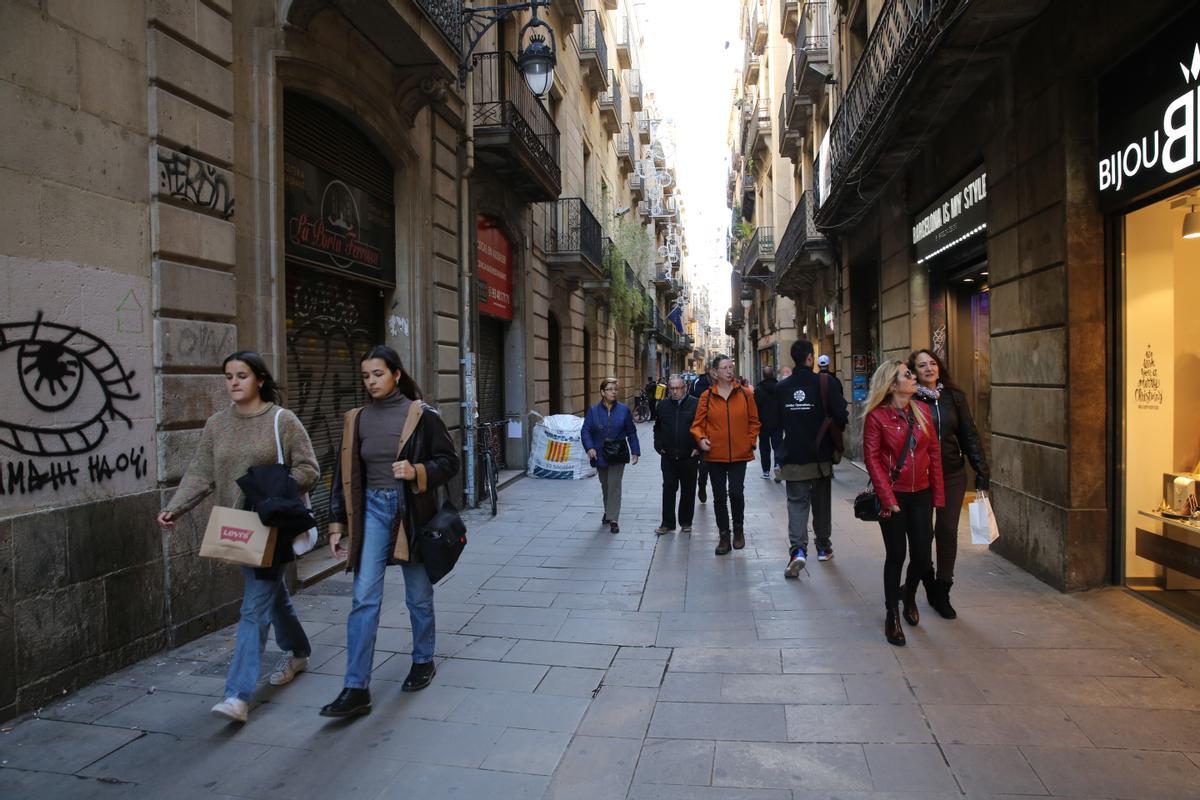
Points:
point(577, 664)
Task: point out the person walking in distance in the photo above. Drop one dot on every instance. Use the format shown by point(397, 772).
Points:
point(900, 446)
point(234, 440)
point(770, 437)
point(959, 442)
point(726, 427)
point(395, 453)
point(611, 441)
point(679, 453)
point(813, 414)
point(823, 365)
point(699, 387)
point(651, 390)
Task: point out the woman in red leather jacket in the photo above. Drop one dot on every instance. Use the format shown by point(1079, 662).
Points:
point(895, 427)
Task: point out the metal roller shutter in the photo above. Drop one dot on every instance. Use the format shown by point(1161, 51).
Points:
point(331, 322)
point(491, 377)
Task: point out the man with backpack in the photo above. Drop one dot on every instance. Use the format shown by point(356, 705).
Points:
point(813, 415)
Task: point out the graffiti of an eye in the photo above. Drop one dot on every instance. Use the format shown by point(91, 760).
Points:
point(67, 371)
point(49, 367)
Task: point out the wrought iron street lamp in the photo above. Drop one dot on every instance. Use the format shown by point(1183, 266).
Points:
point(536, 59)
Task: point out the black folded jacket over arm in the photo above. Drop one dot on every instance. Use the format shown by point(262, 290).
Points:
point(274, 495)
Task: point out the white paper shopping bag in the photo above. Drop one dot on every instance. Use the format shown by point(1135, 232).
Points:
point(983, 521)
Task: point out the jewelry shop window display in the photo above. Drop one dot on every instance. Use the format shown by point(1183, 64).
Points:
point(1160, 360)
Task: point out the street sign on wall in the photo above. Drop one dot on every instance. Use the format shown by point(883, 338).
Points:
point(957, 215)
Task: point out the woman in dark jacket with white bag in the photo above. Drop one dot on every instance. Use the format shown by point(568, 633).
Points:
point(395, 453)
point(610, 423)
point(959, 441)
point(253, 431)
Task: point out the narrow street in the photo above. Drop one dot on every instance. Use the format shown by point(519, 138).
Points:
point(575, 663)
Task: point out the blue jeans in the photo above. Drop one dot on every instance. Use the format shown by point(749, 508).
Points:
point(363, 624)
point(264, 603)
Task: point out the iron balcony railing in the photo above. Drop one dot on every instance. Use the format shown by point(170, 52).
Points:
point(610, 99)
point(897, 43)
point(788, 12)
point(633, 87)
point(591, 39)
point(446, 16)
point(626, 149)
point(504, 99)
point(814, 26)
point(760, 246)
point(801, 232)
point(758, 125)
point(621, 34)
point(643, 125)
point(572, 228)
point(758, 28)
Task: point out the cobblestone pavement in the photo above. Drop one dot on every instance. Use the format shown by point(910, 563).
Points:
point(573, 663)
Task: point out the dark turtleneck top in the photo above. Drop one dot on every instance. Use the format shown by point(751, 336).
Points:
point(379, 428)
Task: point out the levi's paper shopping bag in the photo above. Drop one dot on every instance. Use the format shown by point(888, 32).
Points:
point(238, 537)
point(983, 521)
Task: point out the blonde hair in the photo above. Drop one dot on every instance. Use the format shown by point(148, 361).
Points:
point(880, 391)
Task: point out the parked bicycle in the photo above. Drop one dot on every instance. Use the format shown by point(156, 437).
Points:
point(641, 408)
point(491, 456)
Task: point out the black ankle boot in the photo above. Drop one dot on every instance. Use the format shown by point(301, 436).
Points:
point(892, 630)
point(350, 703)
point(909, 602)
point(931, 590)
point(943, 607)
point(419, 677)
point(723, 543)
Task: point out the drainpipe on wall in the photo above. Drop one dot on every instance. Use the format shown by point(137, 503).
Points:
point(465, 292)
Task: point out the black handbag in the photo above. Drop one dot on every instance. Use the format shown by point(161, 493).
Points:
point(616, 451)
point(441, 541)
point(866, 504)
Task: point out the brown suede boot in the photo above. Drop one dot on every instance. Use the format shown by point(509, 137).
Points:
point(892, 630)
point(723, 546)
point(739, 540)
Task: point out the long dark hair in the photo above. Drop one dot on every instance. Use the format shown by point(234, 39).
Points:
point(943, 373)
point(269, 391)
point(389, 356)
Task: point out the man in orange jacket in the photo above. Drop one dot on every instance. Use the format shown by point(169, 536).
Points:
point(726, 426)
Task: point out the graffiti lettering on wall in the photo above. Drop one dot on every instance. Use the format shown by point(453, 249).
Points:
point(27, 476)
point(74, 385)
point(194, 181)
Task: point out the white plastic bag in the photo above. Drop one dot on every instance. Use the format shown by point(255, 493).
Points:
point(983, 520)
point(556, 450)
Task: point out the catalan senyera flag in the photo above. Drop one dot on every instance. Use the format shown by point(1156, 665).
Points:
point(557, 452)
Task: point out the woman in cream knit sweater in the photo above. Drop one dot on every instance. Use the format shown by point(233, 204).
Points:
point(235, 439)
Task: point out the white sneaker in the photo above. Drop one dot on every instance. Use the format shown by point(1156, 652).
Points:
point(232, 709)
point(796, 563)
point(766, 476)
point(287, 669)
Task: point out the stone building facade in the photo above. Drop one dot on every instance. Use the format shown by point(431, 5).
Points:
point(784, 282)
point(186, 178)
point(963, 181)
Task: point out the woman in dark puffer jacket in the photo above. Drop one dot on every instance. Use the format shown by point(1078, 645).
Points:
point(960, 443)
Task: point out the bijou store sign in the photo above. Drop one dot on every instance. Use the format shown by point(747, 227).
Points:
point(1149, 116)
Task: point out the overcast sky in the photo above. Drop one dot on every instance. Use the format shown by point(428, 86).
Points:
point(691, 56)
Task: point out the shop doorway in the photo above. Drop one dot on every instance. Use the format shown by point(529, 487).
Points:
point(966, 344)
point(1158, 458)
